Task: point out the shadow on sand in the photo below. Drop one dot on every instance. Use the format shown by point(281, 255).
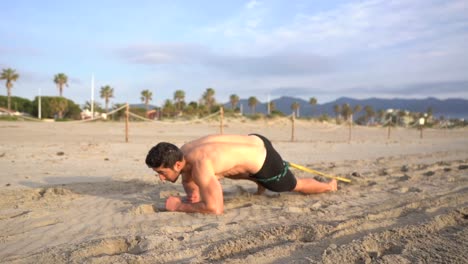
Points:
point(138, 192)
point(134, 191)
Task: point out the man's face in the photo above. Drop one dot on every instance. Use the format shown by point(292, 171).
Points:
point(167, 174)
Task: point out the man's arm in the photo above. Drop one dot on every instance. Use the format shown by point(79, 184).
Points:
point(210, 190)
point(191, 189)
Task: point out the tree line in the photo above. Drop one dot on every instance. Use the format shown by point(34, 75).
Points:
point(60, 107)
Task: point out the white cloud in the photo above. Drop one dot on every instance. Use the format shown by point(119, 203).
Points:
point(366, 25)
point(375, 44)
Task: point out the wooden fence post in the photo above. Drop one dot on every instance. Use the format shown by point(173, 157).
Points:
point(388, 132)
point(421, 126)
point(350, 123)
point(221, 111)
point(293, 117)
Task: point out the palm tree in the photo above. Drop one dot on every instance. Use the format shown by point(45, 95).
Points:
point(369, 113)
point(346, 111)
point(272, 106)
point(381, 115)
point(252, 103)
point(59, 105)
point(60, 80)
point(192, 108)
point(179, 97)
point(146, 97)
point(401, 115)
point(168, 108)
point(10, 76)
point(337, 110)
point(208, 98)
point(429, 112)
point(313, 102)
point(106, 93)
point(96, 106)
point(234, 99)
point(295, 107)
point(356, 109)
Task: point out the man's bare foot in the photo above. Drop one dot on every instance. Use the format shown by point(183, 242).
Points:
point(333, 185)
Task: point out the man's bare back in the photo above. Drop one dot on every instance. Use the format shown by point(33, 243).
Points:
point(231, 156)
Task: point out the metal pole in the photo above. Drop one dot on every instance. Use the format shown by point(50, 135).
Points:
point(39, 106)
point(92, 96)
point(126, 122)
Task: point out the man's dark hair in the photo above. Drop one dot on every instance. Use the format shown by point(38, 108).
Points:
point(164, 154)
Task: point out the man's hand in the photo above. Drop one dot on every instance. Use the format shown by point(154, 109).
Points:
point(189, 199)
point(172, 203)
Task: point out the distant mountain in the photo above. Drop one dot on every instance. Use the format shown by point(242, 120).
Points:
point(449, 108)
point(142, 106)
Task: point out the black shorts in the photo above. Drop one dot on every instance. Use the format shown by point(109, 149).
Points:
point(274, 174)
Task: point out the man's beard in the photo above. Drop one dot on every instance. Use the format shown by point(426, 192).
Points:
point(176, 178)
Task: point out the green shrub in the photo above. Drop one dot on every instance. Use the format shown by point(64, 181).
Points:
point(19, 104)
point(254, 116)
point(56, 107)
point(8, 118)
point(137, 111)
point(277, 113)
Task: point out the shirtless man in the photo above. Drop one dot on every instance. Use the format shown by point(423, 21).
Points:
point(204, 161)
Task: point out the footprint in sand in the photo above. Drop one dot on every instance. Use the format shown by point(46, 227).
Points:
point(429, 173)
point(110, 246)
point(411, 189)
point(143, 209)
point(404, 168)
point(53, 192)
point(404, 178)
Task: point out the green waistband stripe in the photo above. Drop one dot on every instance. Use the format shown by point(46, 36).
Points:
point(276, 177)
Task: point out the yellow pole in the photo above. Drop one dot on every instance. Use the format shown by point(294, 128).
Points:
point(318, 173)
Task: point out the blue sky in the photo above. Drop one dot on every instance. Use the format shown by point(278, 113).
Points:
point(324, 49)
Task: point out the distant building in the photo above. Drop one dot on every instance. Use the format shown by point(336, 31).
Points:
point(4, 111)
point(86, 114)
point(151, 114)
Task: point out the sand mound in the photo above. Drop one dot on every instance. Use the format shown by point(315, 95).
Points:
point(143, 209)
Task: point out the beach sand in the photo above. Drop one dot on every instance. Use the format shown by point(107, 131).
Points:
point(78, 193)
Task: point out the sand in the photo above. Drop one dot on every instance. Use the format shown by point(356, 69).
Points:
point(78, 193)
